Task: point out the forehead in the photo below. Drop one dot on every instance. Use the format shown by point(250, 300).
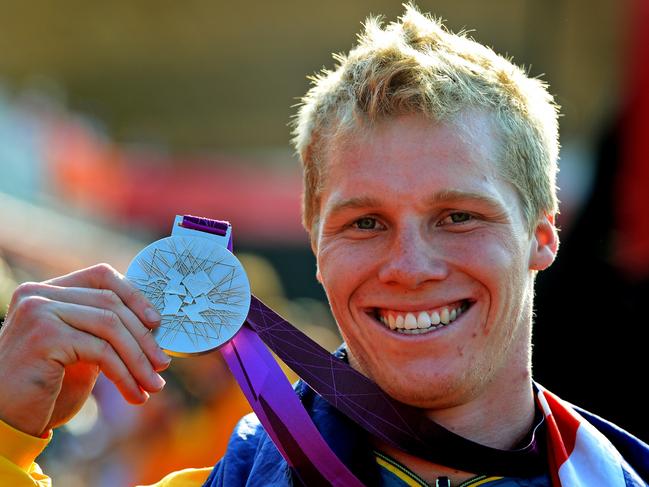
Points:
point(409, 147)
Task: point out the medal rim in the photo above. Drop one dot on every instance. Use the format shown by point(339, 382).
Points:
point(235, 261)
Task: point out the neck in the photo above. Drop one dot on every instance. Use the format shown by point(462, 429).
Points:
point(495, 419)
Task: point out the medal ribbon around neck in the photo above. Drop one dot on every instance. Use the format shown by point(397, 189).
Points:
point(203, 295)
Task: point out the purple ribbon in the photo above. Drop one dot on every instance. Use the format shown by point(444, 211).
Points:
point(280, 411)
point(273, 399)
point(292, 430)
point(207, 225)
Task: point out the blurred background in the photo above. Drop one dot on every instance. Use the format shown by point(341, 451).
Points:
point(115, 116)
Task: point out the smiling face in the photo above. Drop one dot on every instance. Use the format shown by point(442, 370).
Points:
point(425, 258)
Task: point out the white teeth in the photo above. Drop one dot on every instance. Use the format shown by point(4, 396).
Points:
point(410, 323)
point(391, 321)
point(434, 318)
point(423, 320)
point(445, 317)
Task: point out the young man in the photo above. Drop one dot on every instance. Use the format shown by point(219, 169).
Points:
point(429, 169)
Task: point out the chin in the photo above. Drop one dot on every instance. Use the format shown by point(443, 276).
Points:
point(425, 390)
point(436, 396)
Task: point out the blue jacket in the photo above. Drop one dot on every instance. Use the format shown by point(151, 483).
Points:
point(252, 459)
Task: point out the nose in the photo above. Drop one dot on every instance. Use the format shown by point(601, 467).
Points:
point(412, 260)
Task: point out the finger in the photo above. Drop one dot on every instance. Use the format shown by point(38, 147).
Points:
point(107, 299)
point(92, 349)
point(106, 325)
point(103, 276)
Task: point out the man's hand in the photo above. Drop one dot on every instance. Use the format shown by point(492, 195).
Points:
point(59, 334)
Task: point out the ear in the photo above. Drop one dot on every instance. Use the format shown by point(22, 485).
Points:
point(545, 244)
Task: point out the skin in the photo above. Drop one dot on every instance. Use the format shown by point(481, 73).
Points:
point(415, 215)
point(59, 334)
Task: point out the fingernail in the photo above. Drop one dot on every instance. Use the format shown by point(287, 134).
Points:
point(163, 358)
point(159, 382)
point(152, 315)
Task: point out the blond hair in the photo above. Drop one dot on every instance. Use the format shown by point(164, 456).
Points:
point(415, 65)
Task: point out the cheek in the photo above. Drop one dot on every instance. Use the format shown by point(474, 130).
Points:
point(498, 265)
point(345, 268)
point(335, 268)
point(330, 266)
point(344, 262)
point(491, 257)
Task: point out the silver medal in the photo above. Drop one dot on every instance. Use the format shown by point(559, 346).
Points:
point(199, 288)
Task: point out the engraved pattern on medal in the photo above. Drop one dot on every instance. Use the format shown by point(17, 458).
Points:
point(202, 298)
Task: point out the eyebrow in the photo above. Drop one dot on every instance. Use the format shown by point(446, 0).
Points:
point(450, 195)
point(354, 203)
point(439, 197)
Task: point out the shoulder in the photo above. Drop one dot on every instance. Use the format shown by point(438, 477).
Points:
point(250, 455)
point(633, 450)
point(252, 458)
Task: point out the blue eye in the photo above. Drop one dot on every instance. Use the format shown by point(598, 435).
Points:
point(365, 223)
point(460, 217)
point(455, 218)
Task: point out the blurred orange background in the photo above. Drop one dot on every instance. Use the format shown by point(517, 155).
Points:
point(115, 116)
